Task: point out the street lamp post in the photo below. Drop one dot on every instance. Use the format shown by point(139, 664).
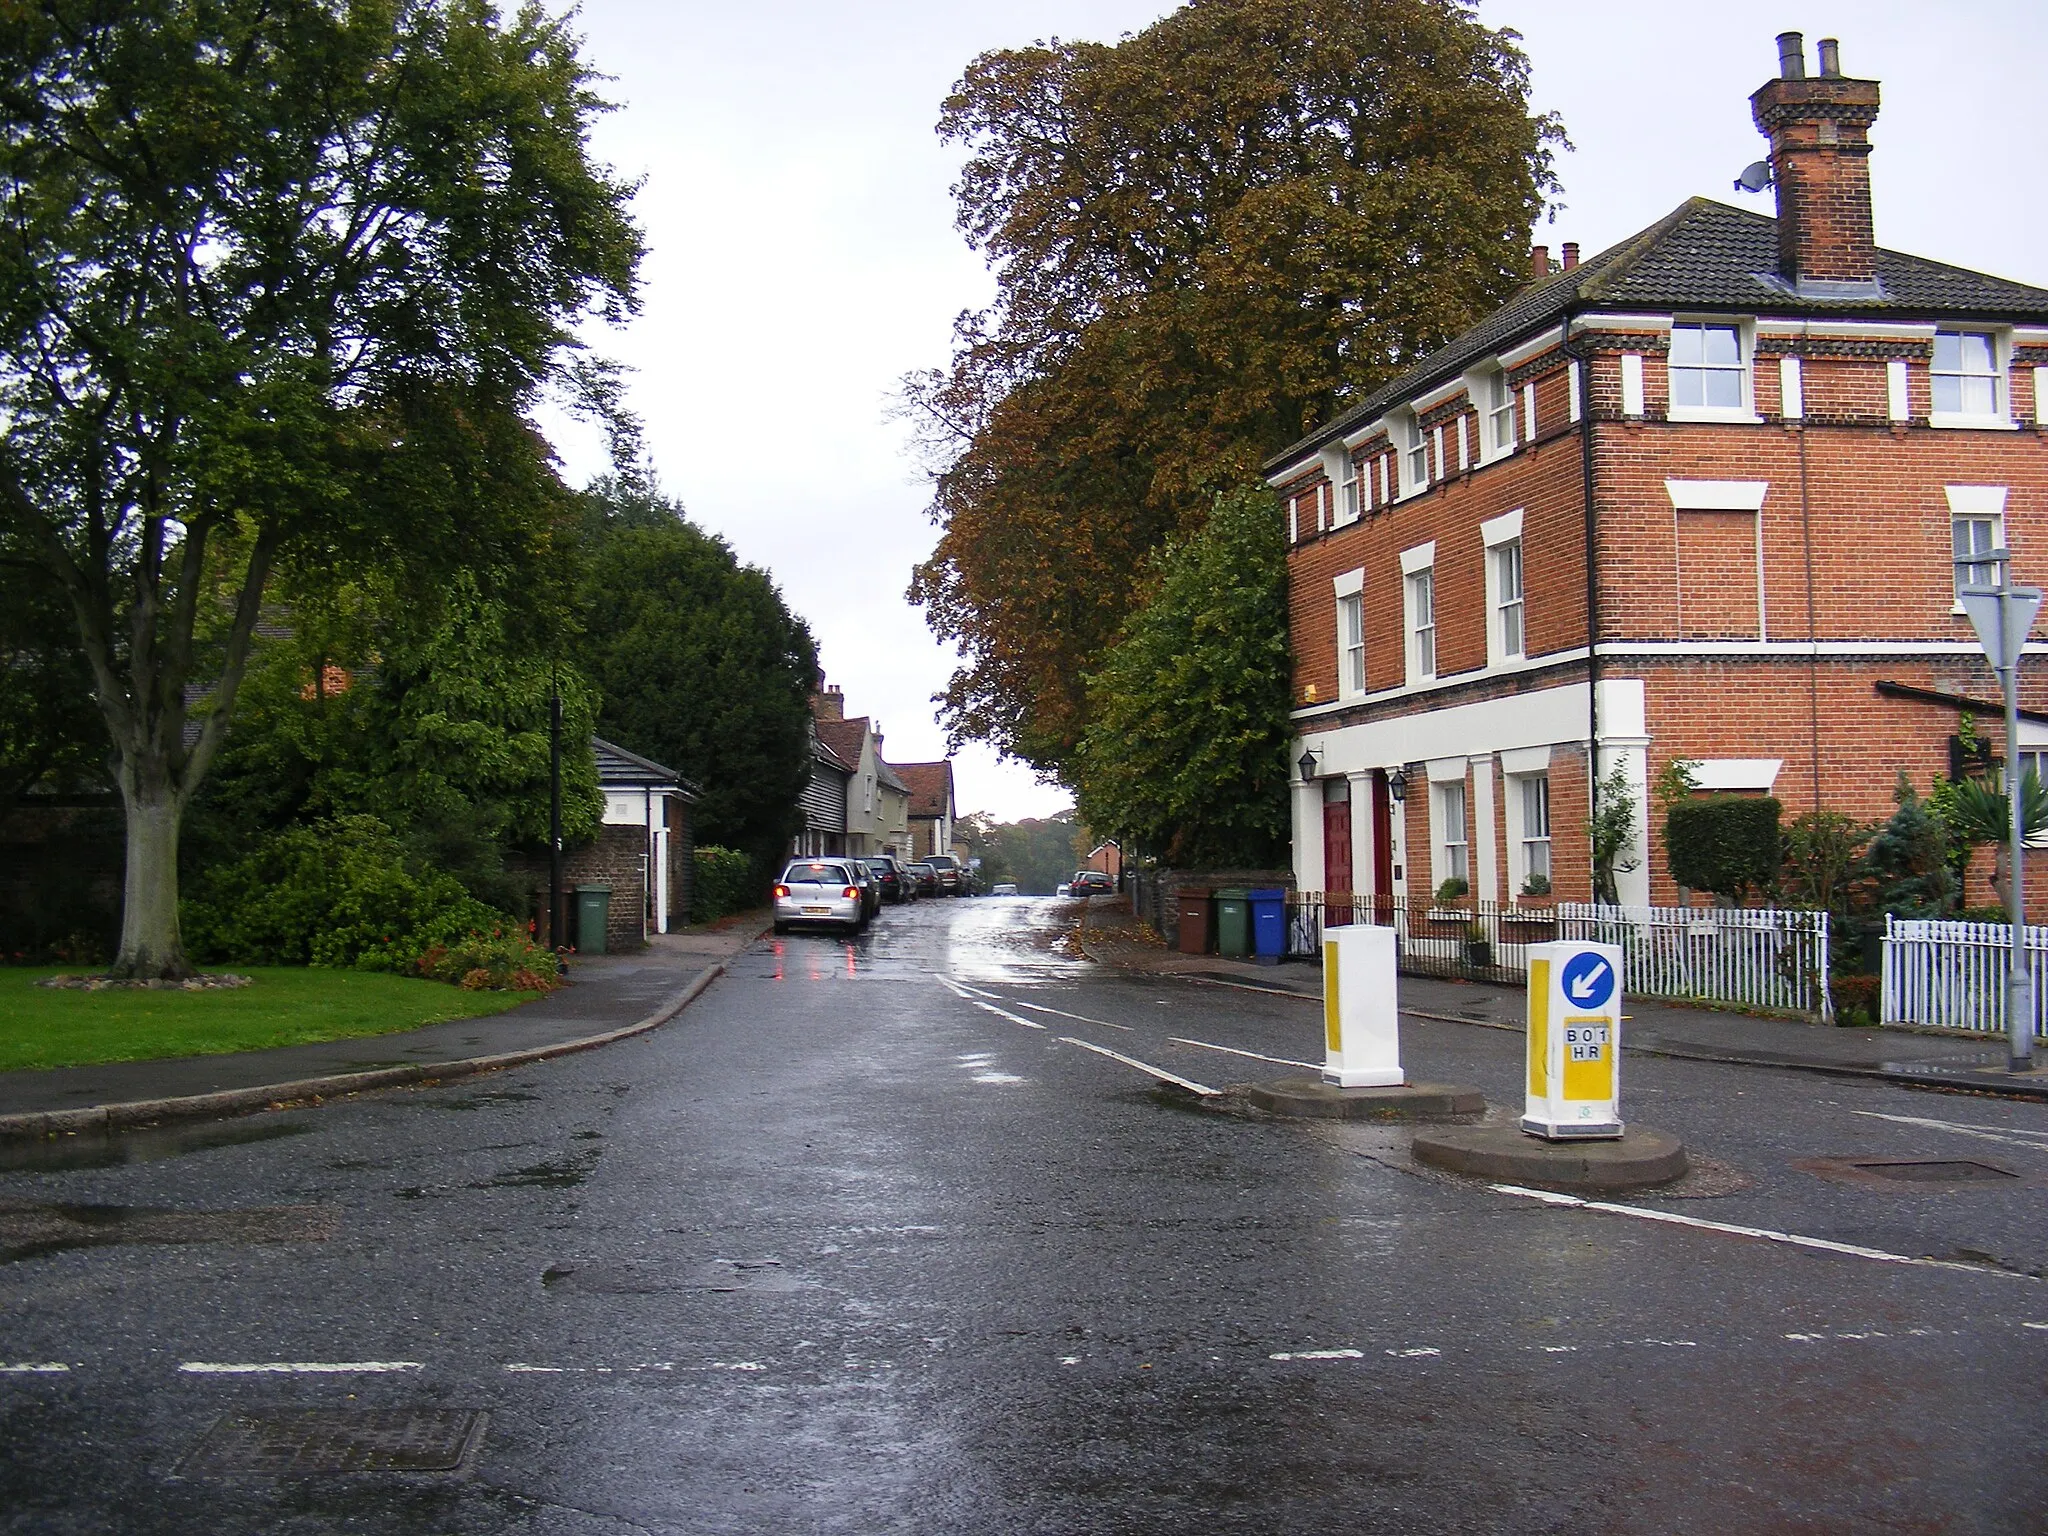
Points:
point(2002, 615)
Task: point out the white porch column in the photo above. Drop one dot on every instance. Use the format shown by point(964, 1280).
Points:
point(1485, 866)
point(1361, 832)
point(1625, 740)
point(1308, 835)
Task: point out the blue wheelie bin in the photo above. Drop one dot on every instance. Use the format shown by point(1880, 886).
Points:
point(1269, 924)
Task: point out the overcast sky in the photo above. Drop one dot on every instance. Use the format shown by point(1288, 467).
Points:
point(802, 255)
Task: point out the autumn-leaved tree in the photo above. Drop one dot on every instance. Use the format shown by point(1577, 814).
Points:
point(1207, 237)
point(1186, 744)
point(278, 281)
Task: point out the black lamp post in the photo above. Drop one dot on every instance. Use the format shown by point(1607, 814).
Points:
point(1397, 784)
point(554, 814)
point(1308, 765)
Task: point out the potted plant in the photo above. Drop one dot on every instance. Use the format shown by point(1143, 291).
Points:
point(1526, 923)
point(1478, 947)
point(1445, 920)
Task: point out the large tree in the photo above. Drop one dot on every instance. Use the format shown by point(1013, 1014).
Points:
point(1186, 745)
point(701, 664)
point(278, 279)
point(1206, 238)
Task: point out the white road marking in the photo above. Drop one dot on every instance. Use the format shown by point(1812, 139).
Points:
point(1078, 1018)
point(1144, 1066)
point(1423, 1353)
point(1004, 1013)
point(1070, 1359)
point(988, 1076)
point(2009, 1136)
point(296, 1367)
point(35, 1368)
point(2042, 1326)
point(520, 1369)
point(963, 989)
point(1766, 1234)
point(1285, 1061)
point(1321, 1354)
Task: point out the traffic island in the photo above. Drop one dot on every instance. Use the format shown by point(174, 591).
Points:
point(1507, 1154)
point(1311, 1098)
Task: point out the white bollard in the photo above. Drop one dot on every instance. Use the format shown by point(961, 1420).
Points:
point(1361, 1008)
point(1574, 1042)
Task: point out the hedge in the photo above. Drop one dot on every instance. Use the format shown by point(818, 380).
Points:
point(1725, 844)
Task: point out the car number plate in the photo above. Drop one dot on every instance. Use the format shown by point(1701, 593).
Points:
point(817, 911)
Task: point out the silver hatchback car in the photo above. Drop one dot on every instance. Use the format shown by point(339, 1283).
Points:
point(819, 891)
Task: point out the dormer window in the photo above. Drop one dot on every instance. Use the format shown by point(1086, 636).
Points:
point(1414, 454)
point(1498, 407)
point(1708, 370)
point(1966, 376)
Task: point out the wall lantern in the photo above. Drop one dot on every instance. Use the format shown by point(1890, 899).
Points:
point(1308, 765)
point(1397, 784)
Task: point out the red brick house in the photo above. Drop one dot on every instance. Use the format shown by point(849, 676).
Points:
point(1697, 496)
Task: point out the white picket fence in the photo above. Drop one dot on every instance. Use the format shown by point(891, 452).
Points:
point(1952, 974)
point(1736, 956)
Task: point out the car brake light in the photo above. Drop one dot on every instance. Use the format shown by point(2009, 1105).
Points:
point(781, 891)
point(850, 892)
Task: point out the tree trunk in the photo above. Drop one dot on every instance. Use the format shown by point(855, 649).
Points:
point(151, 947)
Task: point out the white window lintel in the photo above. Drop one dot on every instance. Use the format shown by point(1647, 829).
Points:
point(1516, 761)
point(1420, 558)
point(1976, 500)
point(1722, 774)
point(1349, 584)
point(1717, 495)
point(1504, 529)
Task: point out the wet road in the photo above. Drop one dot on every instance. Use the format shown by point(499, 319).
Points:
point(899, 1234)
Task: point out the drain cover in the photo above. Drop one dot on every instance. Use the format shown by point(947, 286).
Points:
point(315, 1440)
point(1950, 1171)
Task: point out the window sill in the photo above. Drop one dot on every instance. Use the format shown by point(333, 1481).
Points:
point(1713, 413)
point(1410, 495)
point(1952, 421)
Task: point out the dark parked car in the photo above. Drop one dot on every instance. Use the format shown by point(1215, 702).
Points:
point(897, 888)
point(927, 878)
point(870, 887)
point(951, 876)
point(1089, 882)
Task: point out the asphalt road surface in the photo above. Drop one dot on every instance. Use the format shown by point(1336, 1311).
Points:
point(903, 1234)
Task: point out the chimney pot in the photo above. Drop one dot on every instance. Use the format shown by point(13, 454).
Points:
point(1539, 262)
point(1791, 56)
point(1830, 59)
point(1571, 254)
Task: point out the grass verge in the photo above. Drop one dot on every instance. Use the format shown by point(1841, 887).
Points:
point(286, 1005)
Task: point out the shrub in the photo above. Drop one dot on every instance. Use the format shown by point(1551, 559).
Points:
point(503, 959)
point(1450, 891)
point(1856, 1000)
point(333, 893)
point(1726, 844)
point(1536, 885)
point(1908, 860)
point(724, 884)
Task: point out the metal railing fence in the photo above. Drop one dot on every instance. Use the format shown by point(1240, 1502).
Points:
point(1952, 974)
point(1734, 957)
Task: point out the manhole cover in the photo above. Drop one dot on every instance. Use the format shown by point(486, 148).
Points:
point(1950, 1171)
point(309, 1441)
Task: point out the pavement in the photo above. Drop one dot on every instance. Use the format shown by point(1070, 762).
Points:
point(1112, 935)
point(608, 998)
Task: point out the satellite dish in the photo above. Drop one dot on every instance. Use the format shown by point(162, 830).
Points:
point(1755, 177)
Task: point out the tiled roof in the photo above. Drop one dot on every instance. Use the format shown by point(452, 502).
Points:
point(886, 776)
point(1703, 255)
point(845, 737)
point(931, 787)
point(822, 753)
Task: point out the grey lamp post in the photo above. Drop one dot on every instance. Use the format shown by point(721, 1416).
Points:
point(2002, 614)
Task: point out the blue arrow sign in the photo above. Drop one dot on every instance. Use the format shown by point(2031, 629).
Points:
point(1588, 979)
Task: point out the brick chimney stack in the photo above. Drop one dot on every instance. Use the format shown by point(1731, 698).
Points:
point(1819, 128)
point(829, 705)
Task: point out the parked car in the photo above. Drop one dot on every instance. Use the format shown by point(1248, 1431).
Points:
point(1062, 889)
point(1003, 888)
point(927, 878)
point(951, 877)
point(819, 893)
point(1090, 882)
point(870, 887)
point(897, 887)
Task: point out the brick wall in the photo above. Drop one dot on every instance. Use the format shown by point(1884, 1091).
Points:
point(616, 858)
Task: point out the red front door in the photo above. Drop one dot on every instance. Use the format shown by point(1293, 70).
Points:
point(1382, 850)
point(1337, 878)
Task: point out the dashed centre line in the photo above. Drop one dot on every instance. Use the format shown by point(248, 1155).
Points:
point(1146, 1067)
point(1210, 1045)
point(2012, 1136)
point(296, 1367)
